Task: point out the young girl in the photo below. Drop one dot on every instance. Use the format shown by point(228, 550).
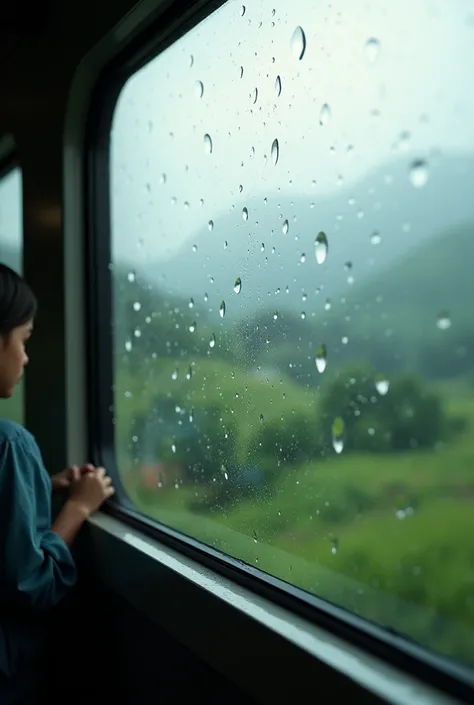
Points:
point(36, 566)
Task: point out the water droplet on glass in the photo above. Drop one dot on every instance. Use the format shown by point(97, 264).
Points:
point(338, 435)
point(206, 298)
point(275, 151)
point(254, 95)
point(324, 115)
point(137, 306)
point(303, 315)
point(321, 358)
point(275, 316)
point(131, 276)
point(344, 340)
point(174, 375)
point(189, 373)
point(419, 173)
point(278, 86)
point(245, 214)
point(382, 385)
point(207, 143)
point(372, 49)
point(128, 346)
point(194, 248)
point(321, 247)
point(335, 546)
point(285, 227)
point(212, 342)
point(199, 89)
point(375, 238)
point(443, 321)
point(222, 309)
point(298, 43)
point(261, 418)
point(404, 140)
point(242, 10)
point(241, 71)
point(303, 258)
point(191, 303)
point(238, 285)
point(191, 60)
point(192, 327)
point(173, 448)
point(262, 247)
point(327, 305)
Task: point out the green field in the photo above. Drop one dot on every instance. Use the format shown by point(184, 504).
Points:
point(387, 535)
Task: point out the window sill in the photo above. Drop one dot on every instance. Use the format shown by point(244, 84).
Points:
point(269, 652)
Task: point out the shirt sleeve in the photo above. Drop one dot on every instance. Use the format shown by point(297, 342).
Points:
point(36, 566)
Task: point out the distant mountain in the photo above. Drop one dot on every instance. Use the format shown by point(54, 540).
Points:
point(372, 229)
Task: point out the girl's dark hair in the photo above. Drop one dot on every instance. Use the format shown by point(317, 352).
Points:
point(18, 304)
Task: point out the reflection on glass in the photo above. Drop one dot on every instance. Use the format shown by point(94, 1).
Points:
point(11, 254)
point(293, 237)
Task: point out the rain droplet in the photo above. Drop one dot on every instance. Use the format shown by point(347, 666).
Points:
point(262, 247)
point(137, 306)
point(210, 225)
point(261, 418)
point(131, 276)
point(382, 385)
point(275, 316)
point(174, 375)
point(285, 227)
point(254, 95)
point(192, 327)
point(245, 214)
point(335, 546)
point(327, 305)
point(207, 143)
point(199, 89)
point(241, 71)
point(321, 247)
point(275, 151)
point(278, 86)
point(128, 346)
point(338, 435)
point(321, 358)
point(222, 309)
point(324, 115)
point(372, 49)
point(194, 248)
point(242, 10)
point(191, 60)
point(191, 303)
point(375, 238)
point(419, 173)
point(298, 43)
point(173, 448)
point(303, 315)
point(238, 285)
point(303, 258)
point(444, 321)
point(189, 373)
point(212, 342)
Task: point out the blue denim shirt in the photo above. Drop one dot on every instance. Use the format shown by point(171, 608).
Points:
point(36, 566)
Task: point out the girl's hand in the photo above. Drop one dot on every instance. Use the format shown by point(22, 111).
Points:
point(66, 478)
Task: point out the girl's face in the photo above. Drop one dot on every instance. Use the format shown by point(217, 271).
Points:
point(13, 358)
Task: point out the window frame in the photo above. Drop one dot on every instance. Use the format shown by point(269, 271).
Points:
point(168, 25)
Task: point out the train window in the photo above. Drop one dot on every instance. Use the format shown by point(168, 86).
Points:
point(292, 237)
point(11, 253)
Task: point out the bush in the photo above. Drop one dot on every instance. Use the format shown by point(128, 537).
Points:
point(408, 416)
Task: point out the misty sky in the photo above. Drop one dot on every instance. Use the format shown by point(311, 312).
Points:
point(394, 76)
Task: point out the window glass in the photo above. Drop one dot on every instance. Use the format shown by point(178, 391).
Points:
point(292, 248)
point(11, 254)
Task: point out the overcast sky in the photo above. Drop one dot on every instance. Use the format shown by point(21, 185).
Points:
point(393, 75)
point(404, 94)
